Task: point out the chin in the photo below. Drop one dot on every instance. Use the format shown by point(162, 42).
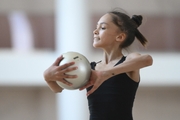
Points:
point(95, 46)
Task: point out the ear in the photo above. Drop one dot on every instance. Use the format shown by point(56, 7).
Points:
point(121, 37)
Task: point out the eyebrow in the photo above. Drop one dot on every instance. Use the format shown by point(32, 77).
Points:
point(102, 23)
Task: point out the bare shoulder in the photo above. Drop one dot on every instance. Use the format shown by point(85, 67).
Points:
point(138, 56)
point(133, 55)
point(138, 61)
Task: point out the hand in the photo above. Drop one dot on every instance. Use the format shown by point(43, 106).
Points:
point(96, 79)
point(57, 73)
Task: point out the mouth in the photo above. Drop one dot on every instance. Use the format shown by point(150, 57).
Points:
point(96, 38)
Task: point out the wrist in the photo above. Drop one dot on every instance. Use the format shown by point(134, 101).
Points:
point(106, 74)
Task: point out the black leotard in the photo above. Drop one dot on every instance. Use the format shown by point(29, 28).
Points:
point(113, 100)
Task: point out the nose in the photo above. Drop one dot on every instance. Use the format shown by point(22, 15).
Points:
point(95, 32)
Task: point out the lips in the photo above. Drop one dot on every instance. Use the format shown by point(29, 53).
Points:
point(96, 38)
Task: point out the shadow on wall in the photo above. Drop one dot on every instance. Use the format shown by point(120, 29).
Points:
point(38, 32)
point(27, 31)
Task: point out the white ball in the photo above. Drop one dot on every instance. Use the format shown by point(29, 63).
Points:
point(83, 72)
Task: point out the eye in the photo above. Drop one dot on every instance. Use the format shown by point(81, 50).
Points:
point(103, 28)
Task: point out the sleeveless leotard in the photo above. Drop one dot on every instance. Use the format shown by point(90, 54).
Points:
point(113, 100)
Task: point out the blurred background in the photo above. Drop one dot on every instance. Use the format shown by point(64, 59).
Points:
point(30, 39)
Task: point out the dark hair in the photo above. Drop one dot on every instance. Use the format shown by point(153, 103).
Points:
point(129, 27)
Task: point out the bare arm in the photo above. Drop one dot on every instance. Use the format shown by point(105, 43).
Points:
point(133, 63)
point(57, 73)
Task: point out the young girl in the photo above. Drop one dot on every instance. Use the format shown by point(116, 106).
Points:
point(114, 80)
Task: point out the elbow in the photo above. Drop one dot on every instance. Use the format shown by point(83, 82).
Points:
point(45, 75)
point(56, 90)
point(149, 60)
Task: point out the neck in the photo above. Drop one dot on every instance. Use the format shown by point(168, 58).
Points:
point(112, 56)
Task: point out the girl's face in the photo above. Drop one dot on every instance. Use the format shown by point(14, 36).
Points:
point(106, 33)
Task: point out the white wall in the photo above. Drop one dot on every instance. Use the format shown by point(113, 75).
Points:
point(25, 95)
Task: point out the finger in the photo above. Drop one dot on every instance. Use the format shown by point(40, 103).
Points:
point(66, 65)
point(86, 86)
point(57, 61)
point(70, 76)
point(59, 76)
point(61, 71)
point(69, 69)
point(66, 82)
point(92, 89)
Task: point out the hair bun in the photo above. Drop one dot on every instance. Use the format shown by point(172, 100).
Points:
point(137, 19)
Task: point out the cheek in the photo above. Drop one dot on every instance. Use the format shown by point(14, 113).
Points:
point(104, 35)
point(108, 37)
